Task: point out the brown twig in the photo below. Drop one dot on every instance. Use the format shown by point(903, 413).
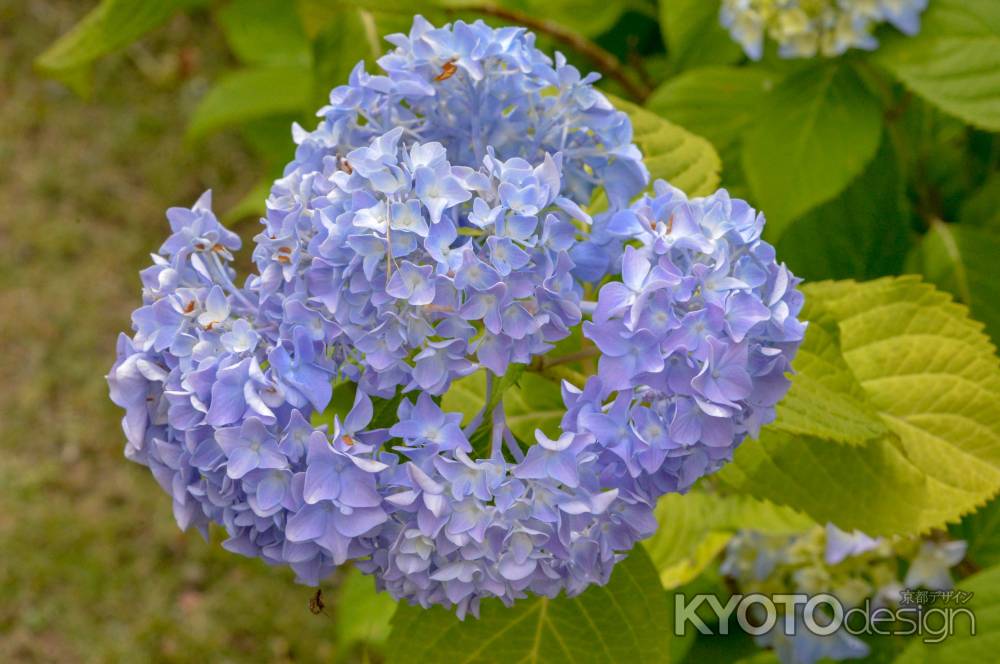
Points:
point(605, 61)
point(635, 61)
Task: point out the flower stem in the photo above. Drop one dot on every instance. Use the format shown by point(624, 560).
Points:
point(583, 354)
point(499, 427)
point(473, 424)
point(512, 446)
point(222, 278)
point(558, 372)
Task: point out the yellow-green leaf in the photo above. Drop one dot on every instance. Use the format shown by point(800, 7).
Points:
point(687, 161)
point(695, 527)
point(932, 376)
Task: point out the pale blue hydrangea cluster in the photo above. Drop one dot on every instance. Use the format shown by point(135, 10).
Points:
point(860, 571)
point(805, 28)
point(429, 228)
point(403, 255)
point(695, 340)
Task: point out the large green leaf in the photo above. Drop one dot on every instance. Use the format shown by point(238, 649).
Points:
point(693, 34)
point(718, 103)
point(813, 134)
point(264, 32)
point(932, 376)
point(363, 614)
point(963, 260)
point(862, 234)
point(928, 369)
point(249, 94)
point(695, 527)
point(106, 28)
point(955, 60)
point(687, 161)
point(960, 646)
point(625, 621)
point(826, 401)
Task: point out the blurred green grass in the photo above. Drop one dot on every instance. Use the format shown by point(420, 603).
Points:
point(92, 567)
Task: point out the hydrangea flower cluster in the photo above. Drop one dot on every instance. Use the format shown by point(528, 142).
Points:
point(805, 28)
point(860, 571)
point(406, 253)
point(695, 340)
point(429, 228)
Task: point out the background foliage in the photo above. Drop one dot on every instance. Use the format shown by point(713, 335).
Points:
point(868, 166)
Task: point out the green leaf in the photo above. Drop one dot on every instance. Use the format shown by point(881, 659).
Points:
point(384, 411)
point(536, 403)
point(466, 395)
point(695, 528)
point(469, 398)
point(981, 530)
point(963, 261)
point(345, 36)
point(982, 208)
point(625, 621)
point(249, 94)
point(932, 376)
point(340, 404)
point(589, 17)
point(504, 383)
point(106, 28)
point(670, 152)
point(264, 32)
point(954, 62)
point(718, 103)
point(873, 488)
point(762, 657)
point(826, 401)
point(961, 647)
point(363, 614)
point(862, 234)
point(694, 36)
point(271, 140)
point(813, 135)
point(529, 400)
point(252, 204)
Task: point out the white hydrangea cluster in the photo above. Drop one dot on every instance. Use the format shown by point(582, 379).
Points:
point(805, 28)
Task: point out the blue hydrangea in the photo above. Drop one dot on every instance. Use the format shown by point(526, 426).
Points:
point(803, 29)
point(695, 340)
point(432, 226)
point(860, 571)
point(425, 269)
